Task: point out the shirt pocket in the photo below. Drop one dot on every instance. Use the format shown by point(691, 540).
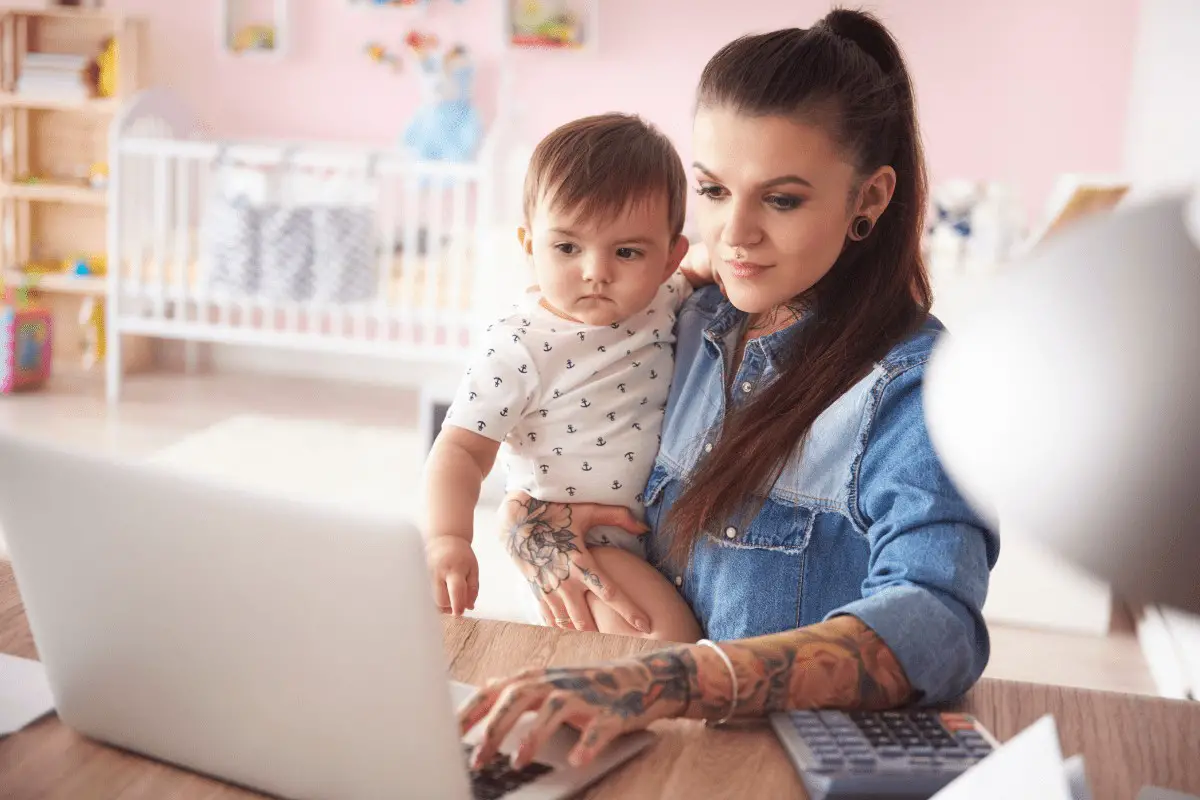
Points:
point(781, 527)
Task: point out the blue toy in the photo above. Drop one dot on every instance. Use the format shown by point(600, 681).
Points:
point(446, 127)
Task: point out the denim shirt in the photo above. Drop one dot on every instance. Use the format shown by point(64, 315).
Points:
point(862, 521)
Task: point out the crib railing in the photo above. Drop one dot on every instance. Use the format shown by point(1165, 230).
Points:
point(425, 236)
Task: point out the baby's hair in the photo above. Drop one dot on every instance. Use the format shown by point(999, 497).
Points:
point(597, 166)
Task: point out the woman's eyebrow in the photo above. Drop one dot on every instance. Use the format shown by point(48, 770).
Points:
point(781, 180)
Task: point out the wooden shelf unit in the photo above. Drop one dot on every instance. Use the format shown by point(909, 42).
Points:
point(50, 144)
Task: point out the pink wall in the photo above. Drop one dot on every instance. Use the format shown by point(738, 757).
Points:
point(1013, 89)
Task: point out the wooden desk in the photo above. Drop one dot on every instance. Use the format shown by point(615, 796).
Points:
point(1127, 740)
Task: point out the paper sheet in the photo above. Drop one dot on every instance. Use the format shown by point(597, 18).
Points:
point(24, 693)
point(1029, 766)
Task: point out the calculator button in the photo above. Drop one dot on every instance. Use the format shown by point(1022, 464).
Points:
point(891, 751)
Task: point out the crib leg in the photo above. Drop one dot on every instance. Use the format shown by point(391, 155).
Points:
point(191, 357)
point(112, 369)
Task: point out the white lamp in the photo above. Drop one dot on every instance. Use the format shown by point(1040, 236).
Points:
point(1066, 402)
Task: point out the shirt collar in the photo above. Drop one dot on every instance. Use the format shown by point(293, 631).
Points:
point(774, 346)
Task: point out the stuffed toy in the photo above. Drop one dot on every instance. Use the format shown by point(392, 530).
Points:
point(446, 127)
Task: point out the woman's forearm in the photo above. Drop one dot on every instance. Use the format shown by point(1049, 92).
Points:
point(840, 663)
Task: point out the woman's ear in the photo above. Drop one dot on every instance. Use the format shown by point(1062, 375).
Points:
point(875, 195)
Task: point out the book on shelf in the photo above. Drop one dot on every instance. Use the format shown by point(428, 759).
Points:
point(63, 76)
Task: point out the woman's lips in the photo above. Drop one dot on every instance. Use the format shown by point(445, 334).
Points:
point(746, 269)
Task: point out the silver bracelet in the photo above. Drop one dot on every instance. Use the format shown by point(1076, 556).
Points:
point(732, 678)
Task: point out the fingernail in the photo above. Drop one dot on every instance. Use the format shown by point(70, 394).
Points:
point(642, 625)
point(576, 759)
point(477, 757)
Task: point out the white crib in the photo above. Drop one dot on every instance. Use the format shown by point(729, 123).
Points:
point(427, 226)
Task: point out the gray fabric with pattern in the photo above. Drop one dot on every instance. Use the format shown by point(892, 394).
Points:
point(286, 253)
point(231, 243)
point(345, 267)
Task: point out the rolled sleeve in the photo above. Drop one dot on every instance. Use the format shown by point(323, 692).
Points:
point(931, 555)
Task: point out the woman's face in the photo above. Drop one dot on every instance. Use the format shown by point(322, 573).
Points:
point(777, 199)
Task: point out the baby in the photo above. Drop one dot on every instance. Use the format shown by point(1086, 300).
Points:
point(574, 380)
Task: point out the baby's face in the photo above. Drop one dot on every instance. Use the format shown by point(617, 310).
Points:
point(602, 271)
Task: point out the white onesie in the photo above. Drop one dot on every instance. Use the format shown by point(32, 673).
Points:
point(578, 408)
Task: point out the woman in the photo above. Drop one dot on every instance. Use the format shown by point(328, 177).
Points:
point(796, 500)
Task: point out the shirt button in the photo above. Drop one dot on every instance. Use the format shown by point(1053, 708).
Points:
point(747, 386)
point(679, 580)
point(730, 532)
point(708, 447)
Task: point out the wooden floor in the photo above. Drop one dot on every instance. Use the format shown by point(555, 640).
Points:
point(162, 408)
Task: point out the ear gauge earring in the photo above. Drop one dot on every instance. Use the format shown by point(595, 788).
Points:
point(861, 228)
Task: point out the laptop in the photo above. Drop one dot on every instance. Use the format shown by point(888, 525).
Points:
point(292, 648)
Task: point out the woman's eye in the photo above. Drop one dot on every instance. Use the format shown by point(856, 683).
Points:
point(784, 202)
point(627, 253)
point(567, 248)
point(710, 190)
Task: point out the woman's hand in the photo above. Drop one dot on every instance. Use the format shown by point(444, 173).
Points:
point(602, 702)
point(546, 541)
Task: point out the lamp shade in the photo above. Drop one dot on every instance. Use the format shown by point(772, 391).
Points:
point(1065, 404)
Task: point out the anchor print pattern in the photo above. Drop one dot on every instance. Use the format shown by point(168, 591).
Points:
point(575, 407)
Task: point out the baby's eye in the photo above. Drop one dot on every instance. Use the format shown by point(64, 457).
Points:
point(568, 248)
point(628, 253)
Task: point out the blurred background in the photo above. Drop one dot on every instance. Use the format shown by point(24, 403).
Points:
point(131, 183)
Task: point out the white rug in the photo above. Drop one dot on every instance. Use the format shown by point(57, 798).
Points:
point(353, 466)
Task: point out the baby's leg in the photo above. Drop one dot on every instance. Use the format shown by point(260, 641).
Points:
point(671, 618)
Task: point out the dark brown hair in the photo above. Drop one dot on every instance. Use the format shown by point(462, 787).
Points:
point(598, 165)
point(847, 75)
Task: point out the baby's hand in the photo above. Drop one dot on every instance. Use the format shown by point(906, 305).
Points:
point(455, 573)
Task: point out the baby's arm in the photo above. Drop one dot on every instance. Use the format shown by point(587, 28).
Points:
point(457, 466)
point(454, 472)
point(491, 399)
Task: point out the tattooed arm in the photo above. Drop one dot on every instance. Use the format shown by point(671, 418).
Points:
point(545, 541)
point(839, 663)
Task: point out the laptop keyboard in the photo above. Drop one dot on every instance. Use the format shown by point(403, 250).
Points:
point(497, 777)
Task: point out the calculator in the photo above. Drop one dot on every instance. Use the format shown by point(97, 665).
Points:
point(897, 755)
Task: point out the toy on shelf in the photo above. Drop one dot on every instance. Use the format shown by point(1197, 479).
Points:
point(86, 266)
point(91, 318)
point(98, 175)
point(254, 37)
point(446, 127)
point(380, 54)
point(248, 28)
point(105, 69)
point(25, 342)
point(551, 24)
point(422, 4)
